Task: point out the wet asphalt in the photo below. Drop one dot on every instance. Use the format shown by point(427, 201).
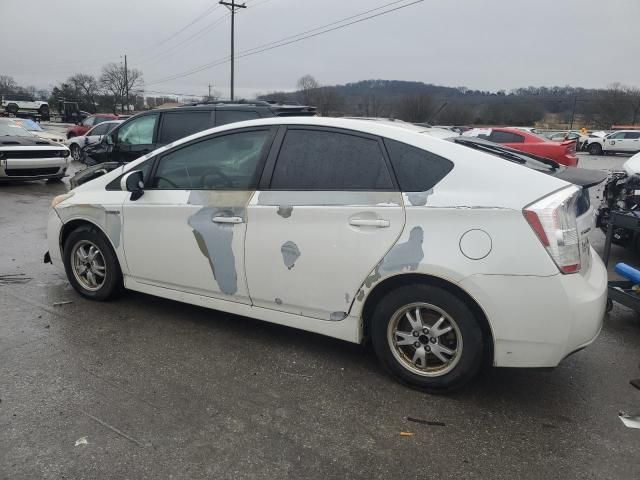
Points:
point(148, 388)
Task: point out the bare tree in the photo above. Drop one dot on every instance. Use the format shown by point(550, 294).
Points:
point(308, 89)
point(88, 89)
point(7, 84)
point(328, 101)
point(114, 82)
point(415, 108)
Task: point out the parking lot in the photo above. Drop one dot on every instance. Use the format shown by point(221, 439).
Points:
point(149, 388)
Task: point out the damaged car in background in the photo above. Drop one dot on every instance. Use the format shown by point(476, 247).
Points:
point(23, 156)
point(352, 229)
point(622, 194)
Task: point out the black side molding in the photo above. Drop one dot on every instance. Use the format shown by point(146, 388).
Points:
point(47, 258)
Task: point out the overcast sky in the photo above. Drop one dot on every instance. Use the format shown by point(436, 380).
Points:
point(481, 44)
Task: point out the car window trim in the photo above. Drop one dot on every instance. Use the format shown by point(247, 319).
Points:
point(265, 183)
point(259, 167)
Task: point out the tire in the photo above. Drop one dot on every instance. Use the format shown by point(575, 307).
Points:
point(429, 373)
point(12, 109)
point(44, 112)
point(75, 151)
point(84, 238)
point(595, 149)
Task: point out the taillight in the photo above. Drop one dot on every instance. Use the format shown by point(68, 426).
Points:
point(553, 219)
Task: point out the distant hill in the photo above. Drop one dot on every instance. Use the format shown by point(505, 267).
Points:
point(425, 102)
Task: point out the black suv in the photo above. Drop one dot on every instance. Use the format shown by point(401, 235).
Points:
point(147, 131)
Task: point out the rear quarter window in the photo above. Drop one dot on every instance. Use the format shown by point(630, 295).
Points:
point(417, 170)
point(505, 137)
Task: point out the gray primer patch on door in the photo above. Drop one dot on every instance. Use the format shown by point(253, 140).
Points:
point(403, 256)
point(285, 211)
point(419, 199)
point(337, 316)
point(290, 254)
point(215, 242)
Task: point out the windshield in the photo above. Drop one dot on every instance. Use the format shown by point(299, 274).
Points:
point(13, 130)
point(534, 162)
point(29, 125)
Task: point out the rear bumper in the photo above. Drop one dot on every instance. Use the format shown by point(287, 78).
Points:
point(569, 160)
point(538, 321)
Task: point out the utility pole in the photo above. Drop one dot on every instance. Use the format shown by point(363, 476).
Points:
point(232, 6)
point(126, 81)
point(209, 97)
point(573, 112)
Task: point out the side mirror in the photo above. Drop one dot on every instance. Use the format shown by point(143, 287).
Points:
point(133, 182)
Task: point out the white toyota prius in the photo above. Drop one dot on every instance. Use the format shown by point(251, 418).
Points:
point(445, 257)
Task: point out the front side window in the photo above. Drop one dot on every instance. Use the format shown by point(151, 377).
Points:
point(138, 131)
point(179, 125)
point(229, 162)
point(328, 160)
point(616, 136)
point(99, 130)
point(230, 116)
point(505, 137)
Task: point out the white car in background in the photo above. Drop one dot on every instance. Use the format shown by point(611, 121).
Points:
point(95, 135)
point(35, 128)
point(353, 229)
point(24, 156)
point(622, 141)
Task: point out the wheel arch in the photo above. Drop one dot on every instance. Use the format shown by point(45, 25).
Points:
point(396, 281)
point(76, 223)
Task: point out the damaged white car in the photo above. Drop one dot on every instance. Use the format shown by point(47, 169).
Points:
point(446, 257)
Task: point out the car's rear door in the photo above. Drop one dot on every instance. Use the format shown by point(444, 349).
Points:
point(631, 141)
point(187, 232)
point(327, 211)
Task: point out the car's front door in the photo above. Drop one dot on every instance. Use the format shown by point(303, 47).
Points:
point(135, 138)
point(327, 212)
point(187, 231)
point(615, 142)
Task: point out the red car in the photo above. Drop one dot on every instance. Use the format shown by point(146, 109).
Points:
point(562, 152)
point(88, 123)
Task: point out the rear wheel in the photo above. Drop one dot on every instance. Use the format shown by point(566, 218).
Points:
point(427, 337)
point(91, 264)
point(12, 109)
point(595, 149)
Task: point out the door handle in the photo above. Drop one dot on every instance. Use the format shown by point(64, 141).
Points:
point(365, 222)
point(227, 220)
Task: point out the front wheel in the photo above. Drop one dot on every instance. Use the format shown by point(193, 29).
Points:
point(595, 149)
point(75, 151)
point(427, 337)
point(91, 264)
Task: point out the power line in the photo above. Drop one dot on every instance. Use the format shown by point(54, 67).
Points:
point(208, 11)
point(277, 44)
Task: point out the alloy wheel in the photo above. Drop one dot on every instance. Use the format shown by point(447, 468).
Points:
point(88, 265)
point(425, 339)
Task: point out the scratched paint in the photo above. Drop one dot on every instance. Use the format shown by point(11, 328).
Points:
point(290, 254)
point(405, 256)
point(109, 220)
point(285, 211)
point(419, 199)
point(215, 240)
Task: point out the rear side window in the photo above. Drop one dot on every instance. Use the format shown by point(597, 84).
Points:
point(324, 160)
point(179, 125)
point(417, 170)
point(632, 135)
point(230, 116)
point(505, 137)
point(100, 129)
